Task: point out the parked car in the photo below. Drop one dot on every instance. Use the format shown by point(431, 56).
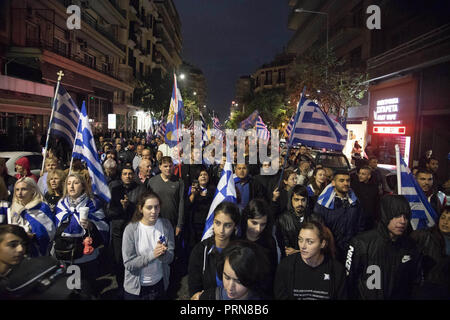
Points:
point(11, 157)
point(330, 159)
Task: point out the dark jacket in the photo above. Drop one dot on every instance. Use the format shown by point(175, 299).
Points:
point(116, 214)
point(368, 195)
point(255, 188)
point(202, 267)
point(436, 264)
point(344, 221)
point(286, 273)
point(373, 254)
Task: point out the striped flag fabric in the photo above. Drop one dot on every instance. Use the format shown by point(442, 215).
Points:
point(161, 132)
point(65, 116)
point(217, 128)
point(226, 191)
point(204, 129)
point(315, 129)
point(85, 150)
point(289, 128)
point(423, 215)
point(191, 124)
point(216, 124)
point(175, 117)
point(250, 121)
point(261, 130)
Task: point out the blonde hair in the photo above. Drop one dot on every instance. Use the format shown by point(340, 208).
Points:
point(37, 195)
point(61, 174)
point(84, 183)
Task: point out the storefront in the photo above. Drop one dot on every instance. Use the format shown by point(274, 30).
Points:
point(392, 118)
point(357, 129)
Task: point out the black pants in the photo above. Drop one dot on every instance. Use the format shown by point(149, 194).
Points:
point(155, 292)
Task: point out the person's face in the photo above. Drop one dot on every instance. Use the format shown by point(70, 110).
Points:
point(298, 203)
point(203, 178)
point(101, 139)
point(223, 226)
point(342, 183)
point(265, 168)
point(23, 192)
point(255, 227)
point(166, 169)
point(241, 171)
point(444, 223)
point(159, 155)
point(12, 249)
point(425, 181)
point(397, 226)
point(127, 176)
point(304, 166)
point(118, 147)
point(146, 154)
point(321, 177)
point(329, 174)
point(364, 175)
point(21, 170)
point(373, 163)
point(234, 288)
point(302, 150)
point(55, 181)
point(309, 243)
point(118, 140)
point(291, 181)
point(145, 167)
point(150, 211)
point(433, 165)
point(51, 165)
point(139, 149)
point(74, 187)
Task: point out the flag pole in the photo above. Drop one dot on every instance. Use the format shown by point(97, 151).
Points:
point(74, 145)
point(60, 75)
point(290, 138)
point(399, 177)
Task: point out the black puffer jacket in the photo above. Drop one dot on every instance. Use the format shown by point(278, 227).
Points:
point(379, 268)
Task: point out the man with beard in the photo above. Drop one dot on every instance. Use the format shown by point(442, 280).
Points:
point(384, 263)
point(341, 211)
point(425, 180)
point(124, 197)
point(288, 223)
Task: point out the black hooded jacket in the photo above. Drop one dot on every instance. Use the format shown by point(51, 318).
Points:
point(379, 268)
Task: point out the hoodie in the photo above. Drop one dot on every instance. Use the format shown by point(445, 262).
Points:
point(25, 163)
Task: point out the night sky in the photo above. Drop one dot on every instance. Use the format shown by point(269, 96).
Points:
point(227, 39)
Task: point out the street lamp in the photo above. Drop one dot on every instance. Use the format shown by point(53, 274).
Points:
point(182, 76)
point(317, 12)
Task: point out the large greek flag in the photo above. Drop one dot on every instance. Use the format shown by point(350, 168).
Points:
point(85, 150)
point(423, 215)
point(65, 116)
point(226, 191)
point(315, 129)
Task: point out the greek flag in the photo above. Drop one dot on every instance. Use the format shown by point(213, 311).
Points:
point(261, 130)
point(175, 116)
point(65, 209)
point(250, 121)
point(226, 191)
point(328, 196)
point(65, 116)
point(85, 150)
point(315, 129)
point(289, 128)
point(161, 129)
point(216, 123)
point(204, 129)
point(217, 128)
point(423, 215)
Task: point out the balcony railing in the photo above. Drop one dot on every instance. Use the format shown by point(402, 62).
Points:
point(122, 12)
point(102, 30)
point(67, 54)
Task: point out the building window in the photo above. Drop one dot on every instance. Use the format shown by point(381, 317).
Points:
point(268, 80)
point(60, 47)
point(282, 76)
point(32, 34)
point(89, 60)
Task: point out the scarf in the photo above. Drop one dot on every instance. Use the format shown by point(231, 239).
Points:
point(328, 196)
point(17, 209)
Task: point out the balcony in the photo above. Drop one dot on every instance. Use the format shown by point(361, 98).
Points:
point(101, 29)
point(122, 12)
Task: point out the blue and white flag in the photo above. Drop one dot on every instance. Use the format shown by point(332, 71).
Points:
point(328, 196)
point(250, 121)
point(288, 129)
point(261, 130)
point(315, 129)
point(423, 215)
point(85, 150)
point(4, 205)
point(175, 117)
point(226, 191)
point(65, 116)
point(204, 130)
point(161, 132)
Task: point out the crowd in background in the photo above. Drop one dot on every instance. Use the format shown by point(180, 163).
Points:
point(312, 233)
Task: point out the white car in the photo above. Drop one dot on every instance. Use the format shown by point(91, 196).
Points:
point(11, 157)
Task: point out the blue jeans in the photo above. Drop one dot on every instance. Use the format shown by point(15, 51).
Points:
point(154, 292)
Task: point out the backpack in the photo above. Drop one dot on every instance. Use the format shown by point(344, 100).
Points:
point(67, 248)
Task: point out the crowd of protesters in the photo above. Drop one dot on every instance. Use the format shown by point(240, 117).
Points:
point(312, 233)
